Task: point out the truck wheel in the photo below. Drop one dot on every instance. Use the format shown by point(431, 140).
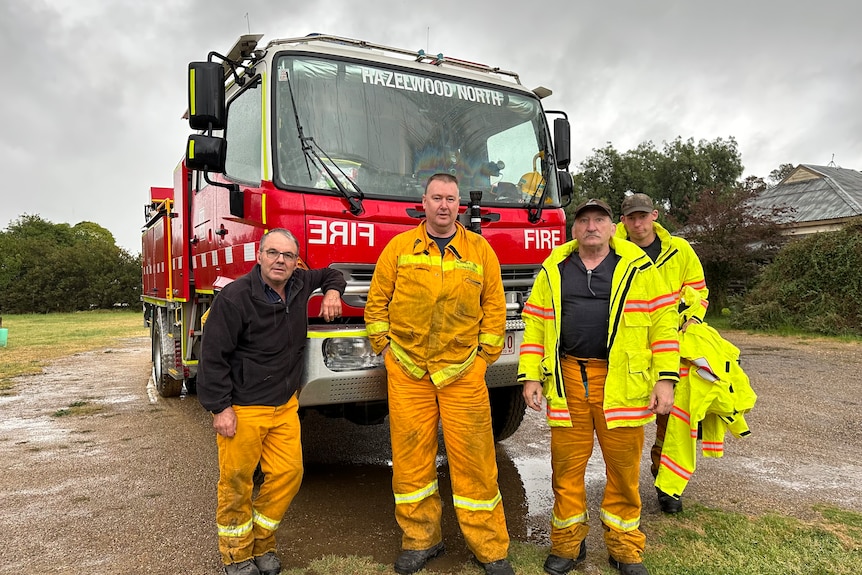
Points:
point(163, 356)
point(507, 410)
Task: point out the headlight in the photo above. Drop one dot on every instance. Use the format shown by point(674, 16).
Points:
point(350, 353)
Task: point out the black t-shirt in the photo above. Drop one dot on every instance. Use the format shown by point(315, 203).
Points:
point(654, 249)
point(442, 242)
point(586, 299)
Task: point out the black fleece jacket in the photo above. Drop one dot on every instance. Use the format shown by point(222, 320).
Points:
point(252, 350)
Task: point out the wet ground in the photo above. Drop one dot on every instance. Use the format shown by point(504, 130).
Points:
point(125, 482)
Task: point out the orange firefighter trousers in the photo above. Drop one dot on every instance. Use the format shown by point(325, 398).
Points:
point(571, 448)
point(271, 436)
point(658, 445)
point(416, 407)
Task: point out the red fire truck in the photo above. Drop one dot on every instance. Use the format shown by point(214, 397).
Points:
point(334, 138)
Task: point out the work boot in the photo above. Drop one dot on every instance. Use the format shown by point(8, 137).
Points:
point(246, 567)
point(628, 568)
point(556, 565)
point(268, 564)
point(411, 560)
point(499, 567)
point(668, 503)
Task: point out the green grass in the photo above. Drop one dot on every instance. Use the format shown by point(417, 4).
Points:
point(35, 339)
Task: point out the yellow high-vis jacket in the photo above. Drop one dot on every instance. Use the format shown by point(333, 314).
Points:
point(679, 265)
point(437, 311)
point(641, 340)
point(714, 390)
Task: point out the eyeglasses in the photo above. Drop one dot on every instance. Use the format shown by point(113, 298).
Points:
point(590, 277)
point(272, 255)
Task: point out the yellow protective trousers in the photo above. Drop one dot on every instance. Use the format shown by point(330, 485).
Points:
point(416, 407)
point(571, 448)
point(271, 436)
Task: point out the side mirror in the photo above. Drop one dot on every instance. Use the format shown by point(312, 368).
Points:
point(206, 96)
point(566, 185)
point(206, 153)
point(562, 143)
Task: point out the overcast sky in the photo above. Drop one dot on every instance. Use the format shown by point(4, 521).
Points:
point(93, 90)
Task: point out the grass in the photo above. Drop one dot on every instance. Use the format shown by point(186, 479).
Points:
point(36, 339)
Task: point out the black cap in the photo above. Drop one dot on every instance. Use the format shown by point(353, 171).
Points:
point(593, 203)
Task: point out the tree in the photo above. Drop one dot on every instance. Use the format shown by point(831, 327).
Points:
point(674, 177)
point(732, 240)
point(48, 267)
point(780, 173)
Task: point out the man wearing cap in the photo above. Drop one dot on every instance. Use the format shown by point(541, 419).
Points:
point(600, 343)
point(680, 267)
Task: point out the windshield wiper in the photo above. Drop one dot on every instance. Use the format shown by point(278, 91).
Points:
point(537, 202)
point(354, 197)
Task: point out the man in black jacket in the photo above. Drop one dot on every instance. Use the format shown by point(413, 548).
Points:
point(249, 372)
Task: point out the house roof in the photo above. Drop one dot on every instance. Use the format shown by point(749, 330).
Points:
point(816, 193)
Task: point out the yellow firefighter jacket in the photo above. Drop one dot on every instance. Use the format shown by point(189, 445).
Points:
point(680, 267)
point(642, 337)
point(437, 311)
point(714, 390)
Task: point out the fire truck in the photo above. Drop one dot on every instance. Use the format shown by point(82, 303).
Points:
point(334, 139)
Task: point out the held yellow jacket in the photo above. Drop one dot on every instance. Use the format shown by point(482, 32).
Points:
point(437, 311)
point(679, 265)
point(715, 391)
point(642, 337)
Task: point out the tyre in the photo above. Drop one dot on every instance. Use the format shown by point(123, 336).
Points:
point(163, 359)
point(507, 410)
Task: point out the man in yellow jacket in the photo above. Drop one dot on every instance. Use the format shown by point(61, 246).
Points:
point(600, 342)
point(680, 267)
point(437, 311)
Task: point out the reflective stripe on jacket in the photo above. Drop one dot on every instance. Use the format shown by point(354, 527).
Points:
point(642, 336)
point(679, 265)
point(437, 311)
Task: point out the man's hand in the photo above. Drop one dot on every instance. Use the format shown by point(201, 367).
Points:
point(688, 323)
point(330, 308)
point(224, 422)
point(661, 399)
point(533, 395)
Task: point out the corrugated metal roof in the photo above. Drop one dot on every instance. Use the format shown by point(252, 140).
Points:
point(828, 193)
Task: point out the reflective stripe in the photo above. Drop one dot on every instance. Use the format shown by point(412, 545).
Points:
point(539, 312)
point(491, 339)
point(413, 260)
point(449, 373)
point(628, 414)
point(476, 504)
point(450, 265)
point(405, 361)
point(713, 447)
point(532, 348)
point(418, 495)
point(665, 345)
point(619, 522)
point(264, 521)
point(234, 531)
point(681, 414)
point(377, 327)
point(563, 523)
point(675, 467)
point(652, 305)
point(558, 414)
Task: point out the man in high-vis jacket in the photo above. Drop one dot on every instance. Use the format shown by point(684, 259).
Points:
point(437, 312)
point(600, 343)
point(680, 267)
point(248, 377)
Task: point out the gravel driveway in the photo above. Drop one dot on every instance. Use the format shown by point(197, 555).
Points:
point(125, 483)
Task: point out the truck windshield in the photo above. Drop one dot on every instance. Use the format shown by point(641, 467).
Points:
point(388, 130)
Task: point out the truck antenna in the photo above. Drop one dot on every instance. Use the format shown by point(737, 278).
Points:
point(247, 23)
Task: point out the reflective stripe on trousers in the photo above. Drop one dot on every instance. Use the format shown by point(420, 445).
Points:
point(416, 407)
point(571, 448)
point(271, 436)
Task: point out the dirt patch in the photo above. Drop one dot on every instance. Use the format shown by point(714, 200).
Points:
point(125, 482)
